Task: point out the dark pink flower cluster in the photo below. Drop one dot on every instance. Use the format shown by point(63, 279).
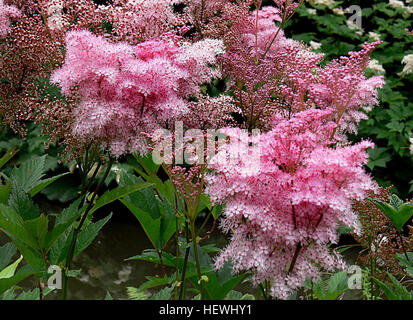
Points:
point(125, 90)
point(343, 86)
point(29, 53)
point(284, 210)
point(271, 73)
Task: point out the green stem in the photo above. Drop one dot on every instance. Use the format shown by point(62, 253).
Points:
point(264, 294)
point(182, 291)
point(77, 230)
point(198, 266)
point(403, 247)
point(205, 221)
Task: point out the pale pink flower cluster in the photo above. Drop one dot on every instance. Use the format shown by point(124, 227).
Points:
point(125, 90)
point(284, 211)
point(6, 12)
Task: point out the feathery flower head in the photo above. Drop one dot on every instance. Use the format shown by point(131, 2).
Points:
point(289, 206)
point(131, 89)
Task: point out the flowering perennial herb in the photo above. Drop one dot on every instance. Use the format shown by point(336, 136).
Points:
point(285, 211)
point(125, 90)
point(127, 68)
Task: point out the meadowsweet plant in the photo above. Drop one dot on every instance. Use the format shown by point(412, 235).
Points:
point(284, 211)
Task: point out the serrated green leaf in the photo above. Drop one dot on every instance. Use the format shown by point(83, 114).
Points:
point(29, 174)
point(29, 295)
point(154, 282)
point(23, 204)
point(117, 193)
point(44, 183)
point(62, 223)
point(163, 294)
point(338, 282)
point(87, 235)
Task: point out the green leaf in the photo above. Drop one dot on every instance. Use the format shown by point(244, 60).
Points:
point(38, 229)
point(221, 283)
point(136, 294)
point(62, 223)
point(23, 204)
point(406, 263)
point(217, 211)
point(378, 157)
point(154, 282)
point(147, 163)
point(9, 271)
point(163, 294)
point(44, 183)
point(9, 154)
point(87, 235)
point(60, 249)
point(5, 193)
point(63, 190)
point(6, 254)
point(236, 295)
point(117, 193)
point(30, 295)
point(400, 289)
point(158, 229)
point(156, 216)
point(387, 290)
point(338, 282)
point(21, 274)
point(108, 296)
point(145, 199)
point(29, 174)
point(150, 255)
point(397, 217)
point(13, 225)
point(150, 226)
point(395, 202)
